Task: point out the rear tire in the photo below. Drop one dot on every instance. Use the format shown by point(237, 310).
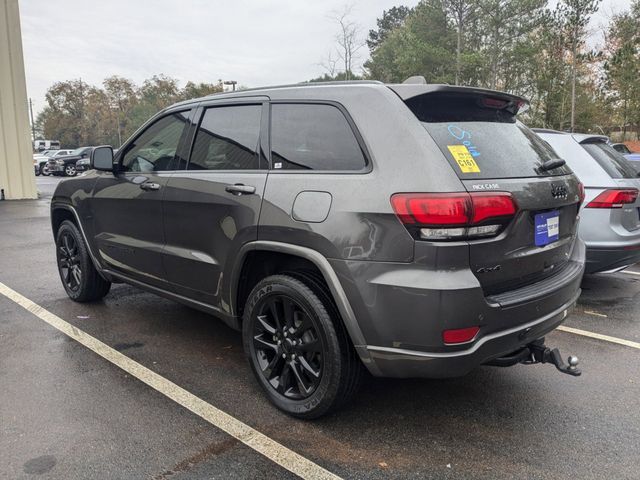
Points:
point(80, 279)
point(302, 359)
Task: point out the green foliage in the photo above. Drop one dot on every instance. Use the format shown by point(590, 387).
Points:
point(78, 114)
point(390, 20)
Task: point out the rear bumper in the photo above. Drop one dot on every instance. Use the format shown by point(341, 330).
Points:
point(394, 362)
point(605, 259)
point(402, 310)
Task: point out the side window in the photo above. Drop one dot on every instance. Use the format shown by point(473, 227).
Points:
point(313, 137)
point(227, 139)
point(154, 149)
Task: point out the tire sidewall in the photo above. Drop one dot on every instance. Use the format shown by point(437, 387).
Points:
point(324, 395)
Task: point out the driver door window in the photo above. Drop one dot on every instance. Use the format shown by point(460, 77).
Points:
point(155, 149)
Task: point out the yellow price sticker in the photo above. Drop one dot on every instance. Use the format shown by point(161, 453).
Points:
point(463, 157)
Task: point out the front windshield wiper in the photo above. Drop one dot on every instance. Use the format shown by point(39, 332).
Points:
point(551, 164)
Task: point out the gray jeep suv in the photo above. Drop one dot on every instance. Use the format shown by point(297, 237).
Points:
point(410, 230)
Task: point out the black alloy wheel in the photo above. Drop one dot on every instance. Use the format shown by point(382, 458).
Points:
point(79, 276)
point(297, 345)
point(69, 262)
point(287, 346)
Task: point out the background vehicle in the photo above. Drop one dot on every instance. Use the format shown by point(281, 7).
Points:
point(417, 230)
point(609, 218)
point(628, 154)
point(66, 165)
point(40, 160)
point(40, 145)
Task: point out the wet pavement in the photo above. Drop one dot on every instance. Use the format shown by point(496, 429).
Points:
point(67, 413)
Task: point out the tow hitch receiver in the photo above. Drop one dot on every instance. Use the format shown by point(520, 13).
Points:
point(538, 352)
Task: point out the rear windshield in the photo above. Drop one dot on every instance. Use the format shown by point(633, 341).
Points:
point(610, 160)
point(486, 150)
point(482, 139)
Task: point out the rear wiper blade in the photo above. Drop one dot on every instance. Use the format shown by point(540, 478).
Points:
point(551, 164)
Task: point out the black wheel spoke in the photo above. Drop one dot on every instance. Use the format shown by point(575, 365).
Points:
point(274, 367)
point(307, 366)
point(284, 378)
point(265, 326)
point(302, 386)
point(273, 309)
point(262, 344)
point(288, 310)
point(310, 346)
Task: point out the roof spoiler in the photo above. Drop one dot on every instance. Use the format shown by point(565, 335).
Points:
point(411, 89)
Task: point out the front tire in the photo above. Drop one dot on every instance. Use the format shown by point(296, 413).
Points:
point(297, 349)
point(80, 279)
point(70, 171)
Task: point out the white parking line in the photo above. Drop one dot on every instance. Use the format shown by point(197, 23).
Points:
point(599, 336)
point(251, 437)
point(630, 272)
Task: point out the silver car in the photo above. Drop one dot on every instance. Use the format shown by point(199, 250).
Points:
point(610, 214)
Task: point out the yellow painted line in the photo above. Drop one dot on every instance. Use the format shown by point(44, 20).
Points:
point(251, 437)
point(599, 336)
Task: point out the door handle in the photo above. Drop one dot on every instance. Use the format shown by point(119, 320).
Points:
point(150, 186)
point(240, 189)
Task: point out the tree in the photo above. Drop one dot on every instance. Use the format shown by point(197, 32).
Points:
point(122, 98)
point(423, 45)
point(390, 20)
point(578, 14)
point(622, 66)
point(195, 90)
point(348, 40)
point(462, 12)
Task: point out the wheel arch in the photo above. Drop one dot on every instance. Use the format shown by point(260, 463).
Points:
point(62, 212)
point(304, 255)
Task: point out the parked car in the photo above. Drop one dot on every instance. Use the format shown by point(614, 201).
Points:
point(628, 154)
point(66, 165)
point(40, 160)
point(609, 218)
point(413, 230)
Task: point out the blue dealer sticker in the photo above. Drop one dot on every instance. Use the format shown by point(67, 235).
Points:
point(547, 227)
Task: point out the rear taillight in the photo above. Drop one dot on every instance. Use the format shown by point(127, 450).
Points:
point(614, 198)
point(454, 216)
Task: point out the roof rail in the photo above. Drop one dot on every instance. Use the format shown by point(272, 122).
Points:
point(304, 84)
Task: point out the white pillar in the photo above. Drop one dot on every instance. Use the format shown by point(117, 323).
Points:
point(17, 178)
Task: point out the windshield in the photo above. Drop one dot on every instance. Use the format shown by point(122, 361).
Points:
point(482, 150)
point(610, 160)
point(78, 151)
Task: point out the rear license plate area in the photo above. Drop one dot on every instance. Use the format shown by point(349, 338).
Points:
point(547, 228)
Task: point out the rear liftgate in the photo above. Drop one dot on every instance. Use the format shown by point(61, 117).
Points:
point(538, 352)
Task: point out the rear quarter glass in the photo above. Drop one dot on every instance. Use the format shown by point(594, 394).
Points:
point(611, 160)
point(490, 150)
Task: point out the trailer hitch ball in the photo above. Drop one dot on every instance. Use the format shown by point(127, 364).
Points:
point(573, 362)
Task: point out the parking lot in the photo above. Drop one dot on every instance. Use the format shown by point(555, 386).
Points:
point(67, 412)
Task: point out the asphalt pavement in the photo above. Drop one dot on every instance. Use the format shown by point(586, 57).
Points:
point(67, 413)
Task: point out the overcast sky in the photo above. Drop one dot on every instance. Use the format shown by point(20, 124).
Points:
point(253, 42)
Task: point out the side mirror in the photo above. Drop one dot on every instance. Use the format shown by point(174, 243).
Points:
point(102, 158)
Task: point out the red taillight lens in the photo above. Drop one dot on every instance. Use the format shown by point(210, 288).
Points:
point(432, 209)
point(473, 212)
point(460, 335)
point(490, 205)
point(614, 198)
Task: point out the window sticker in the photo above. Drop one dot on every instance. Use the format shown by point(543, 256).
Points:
point(465, 137)
point(464, 159)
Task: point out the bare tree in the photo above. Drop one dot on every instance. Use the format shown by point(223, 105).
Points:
point(348, 39)
point(330, 64)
